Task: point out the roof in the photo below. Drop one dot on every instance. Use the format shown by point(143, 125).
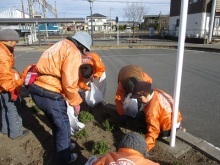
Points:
point(154, 16)
point(41, 20)
point(97, 15)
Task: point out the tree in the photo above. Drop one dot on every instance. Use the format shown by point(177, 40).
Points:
point(134, 13)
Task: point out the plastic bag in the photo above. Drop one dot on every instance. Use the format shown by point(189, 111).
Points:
point(101, 83)
point(94, 96)
point(130, 105)
point(75, 125)
point(31, 76)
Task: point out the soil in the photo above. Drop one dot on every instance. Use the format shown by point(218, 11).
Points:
point(37, 147)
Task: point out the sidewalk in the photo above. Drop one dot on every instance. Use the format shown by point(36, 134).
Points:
point(145, 43)
point(184, 140)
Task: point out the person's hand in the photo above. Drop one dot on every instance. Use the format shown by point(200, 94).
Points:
point(14, 95)
point(122, 119)
point(77, 109)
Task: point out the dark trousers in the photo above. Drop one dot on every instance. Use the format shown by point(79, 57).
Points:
point(56, 112)
point(11, 115)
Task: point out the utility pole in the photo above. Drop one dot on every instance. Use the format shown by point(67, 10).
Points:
point(23, 8)
point(110, 20)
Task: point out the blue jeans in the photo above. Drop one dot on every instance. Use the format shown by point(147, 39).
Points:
point(11, 115)
point(56, 112)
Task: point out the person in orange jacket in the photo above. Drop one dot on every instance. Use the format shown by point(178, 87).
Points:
point(10, 83)
point(127, 77)
point(57, 82)
point(98, 76)
point(157, 107)
point(130, 150)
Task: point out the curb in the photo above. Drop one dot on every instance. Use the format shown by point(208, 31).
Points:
point(140, 46)
point(201, 145)
point(197, 143)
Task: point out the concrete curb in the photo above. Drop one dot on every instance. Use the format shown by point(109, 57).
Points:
point(139, 46)
point(200, 145)
point(197, 143)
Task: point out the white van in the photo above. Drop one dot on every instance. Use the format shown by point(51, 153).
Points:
point(128, 29)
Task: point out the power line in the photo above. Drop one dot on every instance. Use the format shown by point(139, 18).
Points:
point(116, 1)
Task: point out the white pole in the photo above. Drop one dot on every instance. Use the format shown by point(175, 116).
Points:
point(181, 42)
point(212, 20)
point(117, 34)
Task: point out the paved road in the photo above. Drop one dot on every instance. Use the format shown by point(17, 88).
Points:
point(199, 102)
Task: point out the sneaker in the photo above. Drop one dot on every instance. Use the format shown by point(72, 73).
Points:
point(72, 146)
point(25, 132)
point(74, 156)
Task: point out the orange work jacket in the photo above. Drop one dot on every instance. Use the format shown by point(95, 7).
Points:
point(98, 68)
point(124, 73)
point(122, 156)
point(158, 116)
point(58, 67)
point(9, 78)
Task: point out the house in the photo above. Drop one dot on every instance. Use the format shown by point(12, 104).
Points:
point(99, 22)
point(158, 22)
point(21, 28)
point(198, 18)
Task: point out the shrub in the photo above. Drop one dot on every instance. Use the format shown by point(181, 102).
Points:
point(100, 148)
point(81, 134)
point(108, 126)
point(85, 117)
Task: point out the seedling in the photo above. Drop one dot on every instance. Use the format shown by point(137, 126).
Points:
point(81, 134)
point(108, 126)
point(100, 148)
point(85, 117)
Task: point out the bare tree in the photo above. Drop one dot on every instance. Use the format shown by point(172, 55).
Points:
point(134, 13)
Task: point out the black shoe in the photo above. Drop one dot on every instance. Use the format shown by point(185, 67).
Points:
point(25, 132)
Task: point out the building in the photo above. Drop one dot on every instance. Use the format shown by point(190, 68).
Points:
point(99, 23)
point(198, 18)
point(158, 22)
point(21, 28)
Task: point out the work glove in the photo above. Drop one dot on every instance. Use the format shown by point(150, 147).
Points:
point(14, 95)
point(76, 110)
point(122, 119)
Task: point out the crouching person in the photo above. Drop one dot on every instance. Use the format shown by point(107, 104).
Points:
point(131, 150)
point(157, 106)
point(57, 82)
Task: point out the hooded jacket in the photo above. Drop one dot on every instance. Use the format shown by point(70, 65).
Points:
point(98, 68)
point(124, 73)
point(9, 77)
point(122, 156)
point(158, 116)
point(58, 69)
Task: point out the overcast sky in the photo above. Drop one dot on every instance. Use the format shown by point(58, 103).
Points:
point(81, 8)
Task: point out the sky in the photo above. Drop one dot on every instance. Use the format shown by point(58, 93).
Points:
point(81, 8)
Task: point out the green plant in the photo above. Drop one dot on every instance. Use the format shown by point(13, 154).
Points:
point(108, 126)
point(85, 117)
point(81, 134)
point(100, 147)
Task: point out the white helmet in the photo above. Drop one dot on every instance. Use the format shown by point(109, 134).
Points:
point(84, 38)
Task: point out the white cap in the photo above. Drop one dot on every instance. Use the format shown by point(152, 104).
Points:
point(84, 38)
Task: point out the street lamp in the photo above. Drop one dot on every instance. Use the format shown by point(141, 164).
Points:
point(91, 3)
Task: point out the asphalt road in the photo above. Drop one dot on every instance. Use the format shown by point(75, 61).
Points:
point(199, 99)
